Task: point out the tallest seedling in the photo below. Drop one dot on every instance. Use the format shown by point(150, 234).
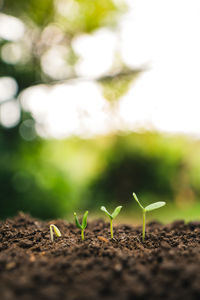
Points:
point(145, 209)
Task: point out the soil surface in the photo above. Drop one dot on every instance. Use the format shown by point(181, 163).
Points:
point(165, 266)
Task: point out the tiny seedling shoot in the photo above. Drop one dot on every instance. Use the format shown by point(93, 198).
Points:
point(112, 217)
point(54, 230)
point(84, 223)
point(145, 209)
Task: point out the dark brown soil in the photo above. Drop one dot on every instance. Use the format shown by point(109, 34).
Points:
point(166, 266)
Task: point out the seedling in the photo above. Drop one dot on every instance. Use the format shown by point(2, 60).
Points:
point(145, 209)
point(84, 223)
point(112, 217)
point(54, 230)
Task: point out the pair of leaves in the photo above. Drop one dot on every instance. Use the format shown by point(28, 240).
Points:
point(114, 214)
point(149, 207)
point(84, 221)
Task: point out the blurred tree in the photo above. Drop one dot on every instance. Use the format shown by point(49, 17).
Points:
point(50, 23)
point(32, 29)
point(47, 178)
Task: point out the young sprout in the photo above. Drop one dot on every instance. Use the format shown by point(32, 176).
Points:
point(54, 230)
point(112, 217)
point(84, 223)
point(145, 209)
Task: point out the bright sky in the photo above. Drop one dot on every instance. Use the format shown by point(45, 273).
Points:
point(162, 34)
point(165, 35)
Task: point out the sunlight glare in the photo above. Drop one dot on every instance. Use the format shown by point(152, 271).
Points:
point(10, 113)
point(11, 28)
point(64, 110)
point(8, 88)
point(96, 53)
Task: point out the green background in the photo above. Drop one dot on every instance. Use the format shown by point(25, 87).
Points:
point(51, 178)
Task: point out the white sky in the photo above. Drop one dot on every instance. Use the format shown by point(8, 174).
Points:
point(162, 34)
point(165, 35)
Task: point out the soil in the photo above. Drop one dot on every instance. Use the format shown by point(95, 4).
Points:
point(165, 266)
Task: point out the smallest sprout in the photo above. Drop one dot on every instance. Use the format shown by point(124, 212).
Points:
point(112, 217)
point(54, 230)
point(84, 223)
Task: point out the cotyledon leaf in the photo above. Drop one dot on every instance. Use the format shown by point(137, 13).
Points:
point(155, 205)
point(56, 231)
point(116, 212)
point(77, 222)
point(136, 199)
point(84, 222)
point(107, 213)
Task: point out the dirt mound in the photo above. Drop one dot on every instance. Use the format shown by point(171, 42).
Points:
point(166, 266)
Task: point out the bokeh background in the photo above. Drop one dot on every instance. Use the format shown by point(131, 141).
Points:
point(99, 99)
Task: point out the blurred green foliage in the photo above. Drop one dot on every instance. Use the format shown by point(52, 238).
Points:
point(52, 179)
point(155, 166)
point(114, 87)
point(51, 23)
point(39, 13)
point(30, 179)
point(27, 182)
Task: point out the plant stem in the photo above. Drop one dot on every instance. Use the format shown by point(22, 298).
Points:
point(82, 234)
point(51, 232)
point(111, 228)
point(143, 227)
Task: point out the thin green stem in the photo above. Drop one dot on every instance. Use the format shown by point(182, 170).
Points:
point(111, 228)
point(82, 234)
point(144, 224)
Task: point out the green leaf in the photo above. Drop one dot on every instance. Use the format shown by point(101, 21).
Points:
point(116, 212)
point(77, 222)
point(154, 205)
point(107, 213)
point(57, 231)
point(136, 199)
point(84, 222)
